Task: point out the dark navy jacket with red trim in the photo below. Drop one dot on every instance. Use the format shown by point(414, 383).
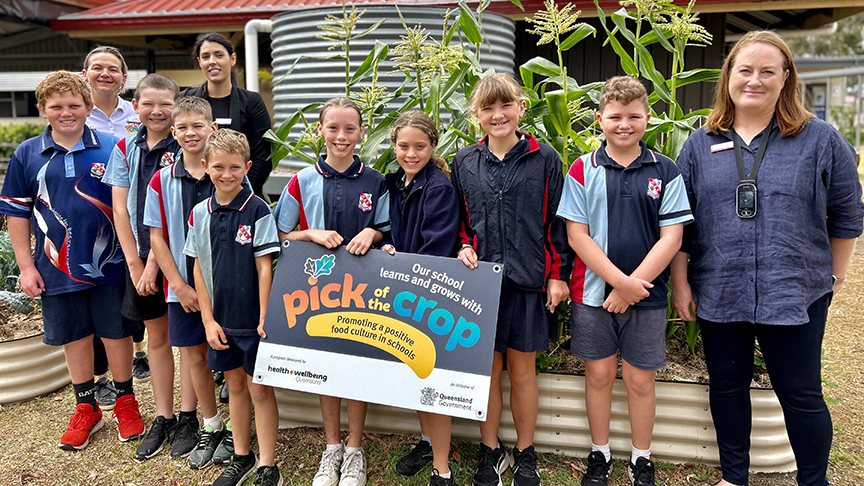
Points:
point(427, 225)
point(515, 225)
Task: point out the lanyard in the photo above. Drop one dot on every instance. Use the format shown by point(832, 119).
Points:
point(739, 159)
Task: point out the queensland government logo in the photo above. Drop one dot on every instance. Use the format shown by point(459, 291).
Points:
point(428, 396)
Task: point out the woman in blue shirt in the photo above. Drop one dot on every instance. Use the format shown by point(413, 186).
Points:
point(777, 207)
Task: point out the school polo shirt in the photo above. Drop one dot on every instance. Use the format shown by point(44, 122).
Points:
point(171, 195)
point(347, 202)
point(62, 193)
point(226, 240)
point(122, 122)
point(624, 208)
point(132, 164)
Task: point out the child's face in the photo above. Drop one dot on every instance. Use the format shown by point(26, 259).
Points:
point(214, 60)
point(191, 131)
point(341, 130)
point(154, 109)
point(500, 119)
point(66, 112)
point(623, 125)
point(227, 170)
point(413, 151)
point(105, 73)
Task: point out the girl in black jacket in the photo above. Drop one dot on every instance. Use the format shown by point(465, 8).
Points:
point(422, 209)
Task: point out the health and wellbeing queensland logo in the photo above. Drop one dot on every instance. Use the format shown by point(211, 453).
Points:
point(301, 376)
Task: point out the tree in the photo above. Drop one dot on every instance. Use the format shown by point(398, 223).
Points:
point(847, 41)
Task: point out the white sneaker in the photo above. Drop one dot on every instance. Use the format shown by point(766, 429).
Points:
point(353, 468)
point(328, 471)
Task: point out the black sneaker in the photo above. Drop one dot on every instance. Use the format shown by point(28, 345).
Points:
point(597, 473)
point(161, 432)
point(414, 461)
point(140, 368)
point(439, 481)
point(267, 476)
point(106, 394)
point(641, 473)
point(525, 467)
point(492, 464)
point(237, 471)
point(186, 436)
point(218, 377)
point(223, 393)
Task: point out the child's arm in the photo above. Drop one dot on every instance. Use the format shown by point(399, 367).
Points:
point(374, 234)
point(364, 240)
point(630, 289)
point(123, 223)
point(467, 236)
point(264, 265)
point(162, 254)
point(19, 234)
point(288, 213)
point(682, 295)
point(327, 238)
point(558, 251)
point(147, 285)
point(215, 336)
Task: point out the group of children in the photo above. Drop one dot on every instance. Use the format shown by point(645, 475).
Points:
point(174, 199)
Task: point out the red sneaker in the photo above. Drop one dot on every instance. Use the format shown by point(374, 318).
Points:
point(86, 421)
point(130, 426)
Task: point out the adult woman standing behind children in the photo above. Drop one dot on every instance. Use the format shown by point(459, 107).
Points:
point(105, 72)
point(508, 187)
point(422, 205)
point(233, 107)
point(763, 248)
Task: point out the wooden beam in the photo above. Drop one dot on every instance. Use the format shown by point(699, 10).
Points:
point(180, 30)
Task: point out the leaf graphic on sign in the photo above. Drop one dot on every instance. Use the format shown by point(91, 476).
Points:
point(309, 268)
point(324, 265)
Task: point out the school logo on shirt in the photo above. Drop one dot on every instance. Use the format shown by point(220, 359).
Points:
point(97, 170)
point(654, 188)
point(365, 203)
point(167, 159)
point(244, 234)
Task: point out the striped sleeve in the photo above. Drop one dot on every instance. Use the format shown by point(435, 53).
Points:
point(265, 239)
point(573, 204)
point(467, 235)
point(15, 199)
point(117, 170)
point(191, 246)
point(153, 207)
point(675, 207)
point(559, 255)
point(288, 212)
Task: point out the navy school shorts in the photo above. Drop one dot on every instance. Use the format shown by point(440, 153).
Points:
point(522, 321)
point(241, 351)
point(95, 311)
point(185, 329)
point(144, 307)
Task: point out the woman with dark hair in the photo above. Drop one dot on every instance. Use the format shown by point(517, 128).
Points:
point(233, 107)
point(777, 207)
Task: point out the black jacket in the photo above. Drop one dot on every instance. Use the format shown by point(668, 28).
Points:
point(428, 224)
point(515, 225)
point(250, 117)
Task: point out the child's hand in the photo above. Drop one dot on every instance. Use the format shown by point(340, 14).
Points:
point(631, 289)
point(31, 282)
point(188, 298)
point(614, 303)
point(361, 243)
point(468, 257)
point(215, 336)
point(261, 329)
point(136, 269)
point(326, 238)
point(556, 292)
point(682, 300)
point(389, 249)
point(147, 283)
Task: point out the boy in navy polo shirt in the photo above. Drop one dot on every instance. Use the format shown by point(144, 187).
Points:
point(54, 180)
point(133, 163)
point(171, 195)
point(338, 201)
point(625, 207)
point(232, 236)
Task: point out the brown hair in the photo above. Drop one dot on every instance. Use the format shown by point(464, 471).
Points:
point(228, 141)
point(193, 104)
point(107, 50)
point(494, 88)
point(340, 103)
point(623, 89)
point(60, 82)
point(157, 81)
point(790, 112)
point(218, 39)
point(421, 121)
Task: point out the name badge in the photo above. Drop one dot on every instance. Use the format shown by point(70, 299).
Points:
point(132, 125)
point(223, 121)
point(719, 147)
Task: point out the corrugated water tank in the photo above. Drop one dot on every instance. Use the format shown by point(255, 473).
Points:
point(318, 80)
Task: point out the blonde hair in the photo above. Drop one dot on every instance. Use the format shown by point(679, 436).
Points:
point(60, 82)
point(228, 141)
point(340, 103)
point(421, 121)
point(623, 89)
point(193, 104)
point(496, 87)
point(791, 115)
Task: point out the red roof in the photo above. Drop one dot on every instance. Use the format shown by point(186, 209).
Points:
point(136, 14)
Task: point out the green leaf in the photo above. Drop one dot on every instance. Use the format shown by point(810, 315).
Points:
point(483, 5)
point(691, 331)
point(559, 80)
point(452, 30)
point(627, 63)
point(527, 78)
point(676, 140)
point(455, 80)
point(544, 67)
point(662, 36)
point(697, 76)
point(369, 30)
point(557, 102)
point(518, 4)
point(378, 54)
point(469, 25)
point(646, 61)
point(434, 104)
point(698, 113)
point(583, 31)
